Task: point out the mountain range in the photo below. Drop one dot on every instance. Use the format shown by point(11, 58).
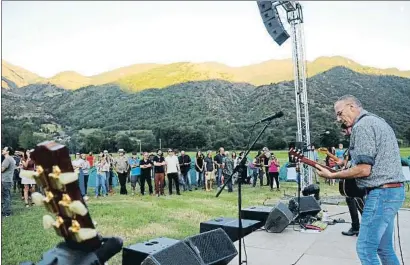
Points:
point(144, 76)
point(190, 114)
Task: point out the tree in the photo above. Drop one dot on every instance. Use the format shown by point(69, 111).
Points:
point(329, 139)
point(26, 138)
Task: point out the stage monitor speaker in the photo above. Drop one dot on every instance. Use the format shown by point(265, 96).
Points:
point(136, 253)
point(213, 247)
point(259, 213)
point(308, 206)
point(177, 254)
point(279, 218)
point(272, 21)
point(230, 226)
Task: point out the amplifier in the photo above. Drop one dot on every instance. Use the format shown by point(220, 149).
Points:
point(231, 226)
point(135, 254)
point(259, 213)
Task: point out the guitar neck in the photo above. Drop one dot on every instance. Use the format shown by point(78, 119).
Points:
point(314, 163)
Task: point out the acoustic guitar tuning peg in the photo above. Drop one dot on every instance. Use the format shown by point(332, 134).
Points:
point(86, 233)
point(82, 234)
point(38, 198)
point(78, 207)
point(27, 174)
point(67, 178)
point(48, 222)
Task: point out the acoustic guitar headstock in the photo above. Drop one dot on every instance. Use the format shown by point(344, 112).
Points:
point(296, 155)
point(62, 197)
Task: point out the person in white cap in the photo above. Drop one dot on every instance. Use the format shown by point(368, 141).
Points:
point(121, 167)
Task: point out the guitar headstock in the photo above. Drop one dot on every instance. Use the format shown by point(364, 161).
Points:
point(296, 155)
point(62, 196)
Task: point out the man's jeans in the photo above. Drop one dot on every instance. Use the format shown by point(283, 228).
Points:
point(219, 177)
point(376, 231)
point(6, 198)
point(187, 180)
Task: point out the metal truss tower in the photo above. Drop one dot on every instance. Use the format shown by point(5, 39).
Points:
point(295, 20)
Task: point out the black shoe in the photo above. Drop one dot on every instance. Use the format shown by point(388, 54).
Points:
point(351, 232)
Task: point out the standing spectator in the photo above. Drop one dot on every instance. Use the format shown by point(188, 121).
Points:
point(265, 161)
point(134, 163)
point(7, 171)
point(159, 167)
point(210, 171)
point(110, 177)
point(85, 167)
point(257, 171)
point(274, 172)
point(29, 183)
point(199, 168)
point(218, 159)
point(78, 164)
point(315, 158)
point(235, 163)
point(146, 166)
point(16, 178)
point(102, 170)
point(228, 170)
point(172, 169)
point(185, 165)
point(90, 159)
point(121, 167)
point(105, 170)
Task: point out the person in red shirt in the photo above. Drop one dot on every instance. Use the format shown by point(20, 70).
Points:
point(90, 159)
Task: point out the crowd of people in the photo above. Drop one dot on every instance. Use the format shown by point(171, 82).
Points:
point(155, 170)
point(172, 168)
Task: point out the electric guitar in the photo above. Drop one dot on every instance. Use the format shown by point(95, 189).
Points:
point(69, 214)
point(347, 187)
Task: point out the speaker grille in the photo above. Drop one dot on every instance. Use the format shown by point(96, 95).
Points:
point(214, 247)
point(279, 218)
point(178, 254)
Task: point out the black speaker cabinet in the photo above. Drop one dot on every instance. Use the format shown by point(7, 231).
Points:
point(308, 206)
point(213, 247)
point(230, 226)
point(272, 21)
point(259, 213)
point(135, 254)
point(176, 254)
point(279, 218)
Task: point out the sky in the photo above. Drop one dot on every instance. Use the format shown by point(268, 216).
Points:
point(93, 37)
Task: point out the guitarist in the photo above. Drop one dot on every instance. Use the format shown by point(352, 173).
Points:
point(377, 169)
point(353, 203)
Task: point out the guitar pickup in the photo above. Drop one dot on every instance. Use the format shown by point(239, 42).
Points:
point(71, 208)
point(58, 180)
point(81, 234)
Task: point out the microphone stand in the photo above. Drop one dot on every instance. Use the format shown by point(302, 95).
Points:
point(242, 165)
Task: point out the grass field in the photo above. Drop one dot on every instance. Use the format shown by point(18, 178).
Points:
point(138, 218)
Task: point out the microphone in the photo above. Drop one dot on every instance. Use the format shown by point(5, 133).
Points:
point(272, 117)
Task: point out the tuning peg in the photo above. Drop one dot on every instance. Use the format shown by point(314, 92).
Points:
point(38, 198)
point(67, 178)
point(72, 207)
point(82, 234)
point(78, 207)
point(48, 222)
point(27, 174)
